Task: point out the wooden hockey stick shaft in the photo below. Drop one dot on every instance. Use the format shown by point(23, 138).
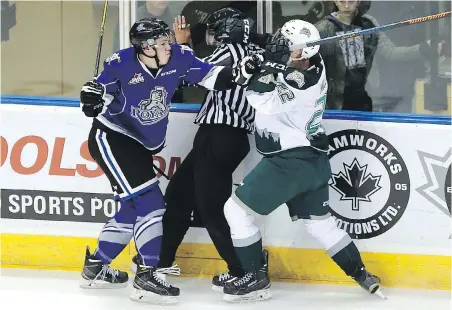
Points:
point(374, 29)
point(99, 45)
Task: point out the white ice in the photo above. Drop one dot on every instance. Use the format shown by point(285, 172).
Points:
point(58, 290)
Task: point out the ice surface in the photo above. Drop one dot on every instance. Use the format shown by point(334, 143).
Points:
point(59, 290)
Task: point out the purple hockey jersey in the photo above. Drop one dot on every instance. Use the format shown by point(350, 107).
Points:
point(137, 103)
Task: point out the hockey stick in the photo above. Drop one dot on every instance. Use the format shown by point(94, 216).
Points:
point(161, 172)
point(101, 37)
point(372, 30)
point(277, 67)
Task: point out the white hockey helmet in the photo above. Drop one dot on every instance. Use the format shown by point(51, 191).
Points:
point(298, 32)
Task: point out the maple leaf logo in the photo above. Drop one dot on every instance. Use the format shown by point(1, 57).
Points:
point(354, 184)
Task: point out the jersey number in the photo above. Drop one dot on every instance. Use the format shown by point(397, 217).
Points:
point(314, 122)
point(285, 94)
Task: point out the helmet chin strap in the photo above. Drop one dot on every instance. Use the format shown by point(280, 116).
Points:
point(152, 57)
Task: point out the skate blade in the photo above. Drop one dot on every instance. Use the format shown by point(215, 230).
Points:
point(149, 297)
point(376, 289)
point(380, 294)
point(99, 284)
point(253, 296)
point(217, 288)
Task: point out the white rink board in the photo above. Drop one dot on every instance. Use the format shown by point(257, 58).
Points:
point(417, 156)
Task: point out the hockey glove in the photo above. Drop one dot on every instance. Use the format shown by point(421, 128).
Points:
point(277, 55)
point(246, 68)
point(232, 30)
point(91, 98)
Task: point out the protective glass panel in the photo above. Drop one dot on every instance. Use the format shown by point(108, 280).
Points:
point(49, 47)
point(407, 69)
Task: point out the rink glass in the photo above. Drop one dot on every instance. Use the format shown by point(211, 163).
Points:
point(65, 37)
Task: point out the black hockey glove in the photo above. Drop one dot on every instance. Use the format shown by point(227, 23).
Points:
point(91, 97)
point(232, 30)
point(246, 68)
point(277, 55)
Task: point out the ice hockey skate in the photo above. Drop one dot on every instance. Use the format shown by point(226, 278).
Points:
point(98, 275)
point(370, 283)
point(251, 287)
point(149, 286)
point(219, 281)
point(174, 270)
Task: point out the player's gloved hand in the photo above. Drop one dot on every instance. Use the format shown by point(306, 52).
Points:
point(246, 68)
point(91, 98)
point(232, 30)
point(277, 55)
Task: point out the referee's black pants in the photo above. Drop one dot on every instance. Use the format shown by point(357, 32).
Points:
point(204, 182)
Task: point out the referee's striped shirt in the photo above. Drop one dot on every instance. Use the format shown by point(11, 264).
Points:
point(228, 107)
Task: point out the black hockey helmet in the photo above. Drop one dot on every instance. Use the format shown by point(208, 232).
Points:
point(146, 31)
point(220, 23)
point(222, 14)
point(165, 26)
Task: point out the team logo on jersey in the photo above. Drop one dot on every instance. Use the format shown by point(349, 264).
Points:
point(437, 189)
point(137, 78)
point(113, 57)
point(152, 110)
point(267, 79)
point(370, 184)
point(297, 77)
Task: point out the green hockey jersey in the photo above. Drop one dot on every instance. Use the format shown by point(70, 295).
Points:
point(289, 108)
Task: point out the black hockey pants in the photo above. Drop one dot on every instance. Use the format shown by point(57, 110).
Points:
point(204, 182)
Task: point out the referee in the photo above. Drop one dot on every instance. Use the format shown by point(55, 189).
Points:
point(204, 179)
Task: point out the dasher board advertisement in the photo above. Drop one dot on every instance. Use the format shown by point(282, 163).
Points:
point(389, 188)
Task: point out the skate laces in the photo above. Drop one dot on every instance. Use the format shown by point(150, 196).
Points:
point(107, 270)
point(160, 280)
point(156, 275)
point(175, 270)
point(224, 276)
point(170, 270)
point(244, 279)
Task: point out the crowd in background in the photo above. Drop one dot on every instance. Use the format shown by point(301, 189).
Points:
point(407, 69)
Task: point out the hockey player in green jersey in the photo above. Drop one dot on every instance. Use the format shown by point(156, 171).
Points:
point(295, 168)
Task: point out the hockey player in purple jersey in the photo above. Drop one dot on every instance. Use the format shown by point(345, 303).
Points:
point(130, 101)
